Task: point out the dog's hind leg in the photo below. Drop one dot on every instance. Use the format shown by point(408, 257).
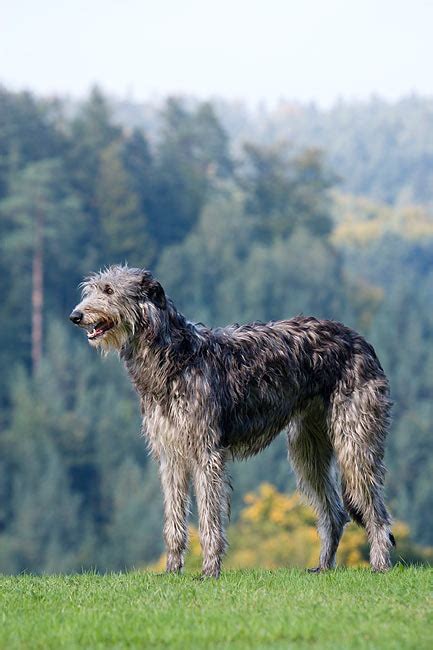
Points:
point(212, 503)
point(175, 485)
point(359, 430)
point(311, 456)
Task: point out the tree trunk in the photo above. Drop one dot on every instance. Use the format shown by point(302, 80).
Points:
point(37, 290)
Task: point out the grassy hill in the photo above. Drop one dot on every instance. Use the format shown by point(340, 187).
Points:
point(244, 609)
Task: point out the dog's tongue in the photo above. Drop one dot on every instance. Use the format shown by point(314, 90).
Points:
point(95, 332)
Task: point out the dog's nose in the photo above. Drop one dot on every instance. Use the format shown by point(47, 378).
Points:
point(76, 316)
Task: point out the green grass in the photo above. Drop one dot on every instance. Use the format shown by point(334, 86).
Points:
point(244, 609)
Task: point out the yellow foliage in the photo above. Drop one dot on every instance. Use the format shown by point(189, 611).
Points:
point(360, 221)
point(278, 530)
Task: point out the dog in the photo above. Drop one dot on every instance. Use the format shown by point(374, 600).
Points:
point(211, 395)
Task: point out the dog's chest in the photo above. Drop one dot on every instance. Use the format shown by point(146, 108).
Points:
point(167, 432)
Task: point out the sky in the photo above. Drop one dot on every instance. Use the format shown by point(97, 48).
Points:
point(250, 50)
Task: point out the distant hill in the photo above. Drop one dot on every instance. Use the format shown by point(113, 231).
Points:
point(379, 149)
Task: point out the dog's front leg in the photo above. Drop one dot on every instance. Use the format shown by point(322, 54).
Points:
point(210, 489)
point(175, 485)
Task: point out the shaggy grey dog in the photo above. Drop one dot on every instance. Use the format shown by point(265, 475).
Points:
point(208, 395)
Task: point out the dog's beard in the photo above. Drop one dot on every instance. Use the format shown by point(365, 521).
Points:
point(103, 331)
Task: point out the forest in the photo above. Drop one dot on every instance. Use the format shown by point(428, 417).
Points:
point(242, 215)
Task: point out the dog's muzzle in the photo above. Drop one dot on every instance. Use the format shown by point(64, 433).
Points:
point(76, 316)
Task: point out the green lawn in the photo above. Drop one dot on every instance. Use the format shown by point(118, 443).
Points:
point(244, 609)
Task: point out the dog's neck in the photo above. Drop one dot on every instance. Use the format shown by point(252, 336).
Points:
point(159, 351)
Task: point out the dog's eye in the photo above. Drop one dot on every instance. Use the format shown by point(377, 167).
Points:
point(108, 289)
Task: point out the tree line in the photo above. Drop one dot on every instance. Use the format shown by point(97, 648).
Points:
point(235, 233)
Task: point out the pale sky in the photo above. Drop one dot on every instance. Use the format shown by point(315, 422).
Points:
point(251, 50)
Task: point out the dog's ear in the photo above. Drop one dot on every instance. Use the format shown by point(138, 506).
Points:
point(157, 295)
point(146, 279)
point(153, 290)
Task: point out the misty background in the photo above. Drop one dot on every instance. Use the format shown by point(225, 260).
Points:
point(263, 160)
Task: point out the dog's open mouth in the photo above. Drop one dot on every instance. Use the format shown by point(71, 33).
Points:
point(99, 329)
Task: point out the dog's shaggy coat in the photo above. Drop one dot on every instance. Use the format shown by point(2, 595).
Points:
point(208, 395)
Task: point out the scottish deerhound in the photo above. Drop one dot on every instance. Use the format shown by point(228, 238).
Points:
point(208, 395)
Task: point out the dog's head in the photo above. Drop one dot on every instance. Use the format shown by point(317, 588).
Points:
point(117, 303)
